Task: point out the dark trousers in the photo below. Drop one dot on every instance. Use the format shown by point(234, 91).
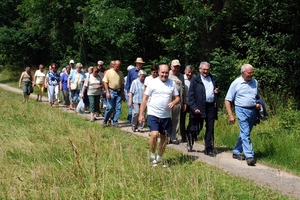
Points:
point(197, 124)
point(183, 129)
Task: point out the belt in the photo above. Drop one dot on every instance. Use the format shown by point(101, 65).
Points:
point(250, 107)
point(119, 89)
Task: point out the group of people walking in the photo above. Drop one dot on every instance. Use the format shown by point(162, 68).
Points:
point(165, 98)
point(169, 97)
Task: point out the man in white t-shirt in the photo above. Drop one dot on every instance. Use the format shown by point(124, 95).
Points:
point(162, 90)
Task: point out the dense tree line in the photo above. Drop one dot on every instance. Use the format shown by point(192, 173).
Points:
point(226, 33)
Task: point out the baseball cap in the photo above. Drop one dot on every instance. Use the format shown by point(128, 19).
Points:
point(175, 63)
point(72, 61)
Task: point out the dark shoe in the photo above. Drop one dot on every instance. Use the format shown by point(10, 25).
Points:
point(133, 128)
point(183, 141)
point(104, 123)
point(140, 130)
point(189, 147)
point(251, 161)
point(117, 125)
point(238, 156)
point(174, 142)
point(209, 153)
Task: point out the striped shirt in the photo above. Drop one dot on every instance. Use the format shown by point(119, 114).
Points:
point(137, 89)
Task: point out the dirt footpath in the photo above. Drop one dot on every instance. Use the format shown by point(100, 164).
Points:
point(272, 178)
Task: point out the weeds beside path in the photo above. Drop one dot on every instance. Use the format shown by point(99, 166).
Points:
point(268, 177)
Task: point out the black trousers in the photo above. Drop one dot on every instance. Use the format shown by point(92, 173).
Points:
point(183, 129)
point(197, 125)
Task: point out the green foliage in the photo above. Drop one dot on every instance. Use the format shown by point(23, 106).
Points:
point(265, 37)
point(190, 30)
point(263, 33)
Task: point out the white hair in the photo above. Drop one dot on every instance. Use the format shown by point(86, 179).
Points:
point(245, 66)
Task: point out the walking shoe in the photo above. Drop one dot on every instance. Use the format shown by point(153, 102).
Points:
point(117, 125)
point(104, 123)
point(174, 142)
point(133, 128)
point(251, 161)
point(238, 156)
point(156, 163)
point(189, 147)
point(92, 120)
point(209, 153)
point(183, 140)
point(140, 129)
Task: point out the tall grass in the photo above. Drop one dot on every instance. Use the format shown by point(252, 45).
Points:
point(275, 141)
point(51, 154)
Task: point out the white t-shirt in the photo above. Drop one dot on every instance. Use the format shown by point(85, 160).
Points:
point(40, 77)
point(147, 80)
point(161, 95)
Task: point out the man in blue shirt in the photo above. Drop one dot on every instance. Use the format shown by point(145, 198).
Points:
point(243, 92)
point(133, 73)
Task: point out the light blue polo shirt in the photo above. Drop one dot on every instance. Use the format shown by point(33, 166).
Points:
point(243, 93)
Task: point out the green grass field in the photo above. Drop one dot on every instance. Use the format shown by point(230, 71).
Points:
point(51, 154)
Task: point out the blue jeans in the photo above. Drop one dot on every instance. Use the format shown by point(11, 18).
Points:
point(25, 86)
point(114, 103)
point(129, 116)
point(75, 96)
point(246, 118)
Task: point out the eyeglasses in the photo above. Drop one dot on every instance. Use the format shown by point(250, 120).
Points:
point(100, 65)
point(205, 69)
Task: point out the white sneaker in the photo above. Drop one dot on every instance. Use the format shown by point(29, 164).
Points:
point(155, 163)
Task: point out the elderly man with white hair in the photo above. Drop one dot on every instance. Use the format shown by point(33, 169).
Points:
point(243, 92)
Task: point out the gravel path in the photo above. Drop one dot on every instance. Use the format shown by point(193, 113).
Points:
point(272, 178)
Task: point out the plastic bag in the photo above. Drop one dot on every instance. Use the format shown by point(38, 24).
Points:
point(81, 106)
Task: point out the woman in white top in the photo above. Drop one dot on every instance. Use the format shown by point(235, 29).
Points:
point(94, 85)
point(154, 74)
point(39, 81)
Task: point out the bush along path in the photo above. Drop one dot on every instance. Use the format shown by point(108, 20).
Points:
point(272, 178)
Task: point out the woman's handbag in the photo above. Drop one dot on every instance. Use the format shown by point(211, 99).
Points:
point(30, 88)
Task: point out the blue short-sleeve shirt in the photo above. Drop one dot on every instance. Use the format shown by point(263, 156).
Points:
point(242, 93)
